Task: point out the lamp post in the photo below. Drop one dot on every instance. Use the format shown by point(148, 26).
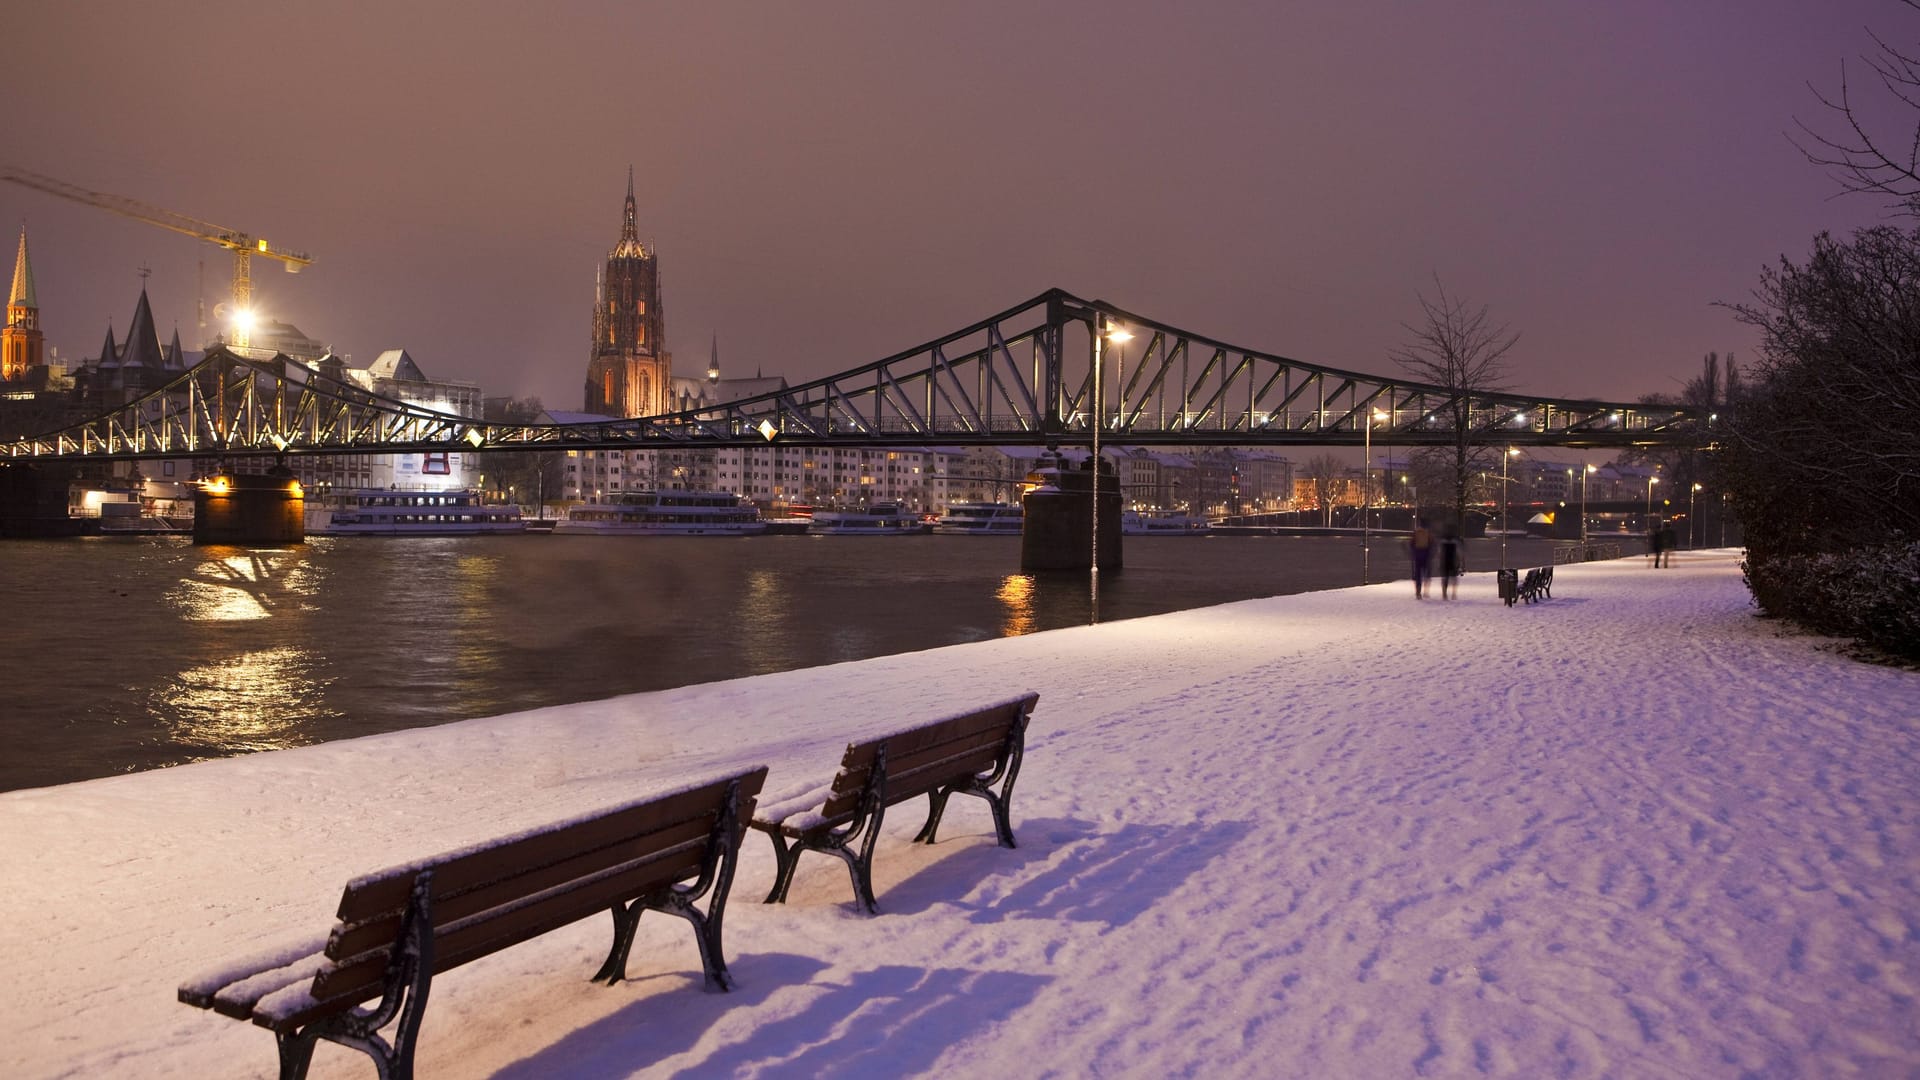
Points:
point(1096, 419)
point(1504, 455)
point(1651, 480)
point(1693, 500)
point(1366, 483)
point(1588, 471)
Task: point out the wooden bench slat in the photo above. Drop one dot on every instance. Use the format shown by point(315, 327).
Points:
point(381, 930)
point(455, 944)
point(387, 890)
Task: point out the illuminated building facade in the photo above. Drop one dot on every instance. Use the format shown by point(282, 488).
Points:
point(631, 372)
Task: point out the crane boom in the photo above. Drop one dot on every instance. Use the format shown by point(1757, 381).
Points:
point(243, 245)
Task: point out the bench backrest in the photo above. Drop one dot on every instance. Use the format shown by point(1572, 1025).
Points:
point(924, 758)
point(491, 896)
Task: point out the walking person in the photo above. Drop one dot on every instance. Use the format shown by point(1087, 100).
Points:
point(1420, 545)
point(1668, 541)
point(1653, 541)
point(1449, 561)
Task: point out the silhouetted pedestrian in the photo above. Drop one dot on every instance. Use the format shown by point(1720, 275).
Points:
point(1420, 545)
point(1668, 541)
point(1450, 561)
point(1653, 542)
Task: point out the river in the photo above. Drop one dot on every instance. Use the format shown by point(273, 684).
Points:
point(134, 653)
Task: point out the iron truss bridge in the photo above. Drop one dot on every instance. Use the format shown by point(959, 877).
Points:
point(1034, 375)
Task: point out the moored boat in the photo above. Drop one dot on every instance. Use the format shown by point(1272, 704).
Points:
point(387, 512)
point(1144, 523)
point(879, 519)
point(980, 519)
point(666, 513)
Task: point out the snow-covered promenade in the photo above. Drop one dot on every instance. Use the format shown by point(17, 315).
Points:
point(1631, 831)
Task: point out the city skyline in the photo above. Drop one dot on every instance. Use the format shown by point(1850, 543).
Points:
point(830, 186)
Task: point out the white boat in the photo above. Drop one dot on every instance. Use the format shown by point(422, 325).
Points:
point(980, 519)
point(386, 512)
point(666, 513)
point(1142, 523)
point(880, 519)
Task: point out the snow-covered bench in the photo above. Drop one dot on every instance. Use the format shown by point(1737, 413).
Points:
point(400, 927)
point(966, 754)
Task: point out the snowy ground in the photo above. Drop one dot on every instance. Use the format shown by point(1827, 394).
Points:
point(1631, 831)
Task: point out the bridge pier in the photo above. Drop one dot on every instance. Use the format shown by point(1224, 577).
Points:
point(1057, 519)
point(269, 509)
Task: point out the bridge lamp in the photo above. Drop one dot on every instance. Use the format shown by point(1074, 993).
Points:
point(767, 430)
point(476, 437)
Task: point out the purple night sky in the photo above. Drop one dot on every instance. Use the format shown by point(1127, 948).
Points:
point(830, 183)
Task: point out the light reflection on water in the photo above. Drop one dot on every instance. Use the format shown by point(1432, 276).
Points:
point(1016, 592)
point(242, 703)
point(150, 652)
point(236, 585)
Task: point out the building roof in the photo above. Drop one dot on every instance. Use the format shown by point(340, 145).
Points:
point(561, 416)
point(396, 364)
point(142, 348)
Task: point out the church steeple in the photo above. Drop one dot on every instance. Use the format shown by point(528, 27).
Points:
point(22, 292)
point(629, 245)
point(713, 361)
point(20, 340)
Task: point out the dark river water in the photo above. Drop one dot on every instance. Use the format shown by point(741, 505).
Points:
point(119, 654)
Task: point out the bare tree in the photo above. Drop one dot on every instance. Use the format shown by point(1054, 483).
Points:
point(1459, 348)
point(1323, 472)
point(533, 476)
point(1861, 160)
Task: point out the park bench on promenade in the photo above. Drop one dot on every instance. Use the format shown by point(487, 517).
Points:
point(400, 927)
point(1537, 585)
point(967, 754)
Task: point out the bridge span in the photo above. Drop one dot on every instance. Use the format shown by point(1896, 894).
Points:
point(1043, 373)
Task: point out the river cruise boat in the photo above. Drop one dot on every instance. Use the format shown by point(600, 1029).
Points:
point(1143, 523)
point(980, 519)
point(386, 512)
point(666, 513)
point(880, 519)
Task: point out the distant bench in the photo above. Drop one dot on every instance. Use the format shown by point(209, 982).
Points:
point(966, 754)
point(400, 927)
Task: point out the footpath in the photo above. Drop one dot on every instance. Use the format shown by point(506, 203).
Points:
point(1633, 830)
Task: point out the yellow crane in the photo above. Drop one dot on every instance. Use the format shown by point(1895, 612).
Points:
point(243, 245)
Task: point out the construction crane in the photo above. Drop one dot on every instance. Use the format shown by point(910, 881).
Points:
point(243, 245)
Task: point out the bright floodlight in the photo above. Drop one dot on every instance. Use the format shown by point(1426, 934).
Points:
point(475, 436)
point(243, 320)
point(1119, 333)
point(767, 430)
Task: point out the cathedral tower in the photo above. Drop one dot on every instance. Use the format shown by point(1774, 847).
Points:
point(21, 341)
point(631, 372)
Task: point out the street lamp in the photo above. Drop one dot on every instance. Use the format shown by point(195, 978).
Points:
point(1508, 453)
point(1589, 471)
point(1096, 416)
point(1366, 483)
point(1693, 500)
point(1651, 480)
